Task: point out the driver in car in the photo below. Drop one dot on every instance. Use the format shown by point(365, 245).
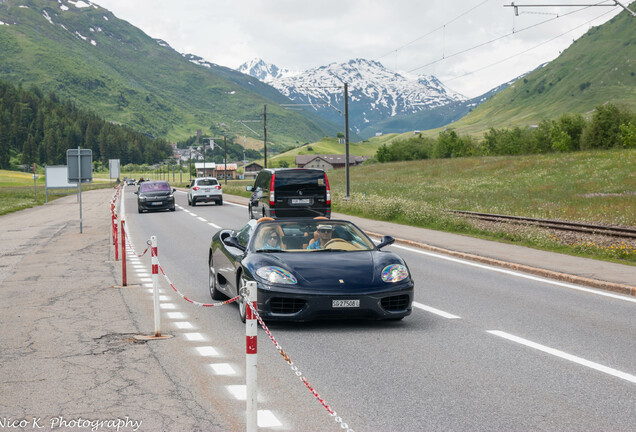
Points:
point(271, 239)
point(324, 236)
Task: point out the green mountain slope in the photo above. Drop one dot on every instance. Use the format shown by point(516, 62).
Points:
point(105, 64)
point(597, 68)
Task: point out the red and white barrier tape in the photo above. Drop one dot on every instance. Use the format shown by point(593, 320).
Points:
point(196, 303)
point(298, 373)
point(128, 244)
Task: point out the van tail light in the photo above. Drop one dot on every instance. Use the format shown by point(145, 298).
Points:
point(272, 196)
point(328, 190)
point(196, 188)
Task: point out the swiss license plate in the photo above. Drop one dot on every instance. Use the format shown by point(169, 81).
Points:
point(156, 203)
point(300, 201)
point(345, 303)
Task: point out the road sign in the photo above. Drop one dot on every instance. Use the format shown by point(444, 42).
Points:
point(113, 168)
point(76, 159)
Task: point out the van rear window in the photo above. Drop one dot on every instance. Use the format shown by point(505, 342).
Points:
point(299, 178)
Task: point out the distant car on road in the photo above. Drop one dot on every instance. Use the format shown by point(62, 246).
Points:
point(205, 189)
point(308, 269)
point(130, 182)
point(155, 195)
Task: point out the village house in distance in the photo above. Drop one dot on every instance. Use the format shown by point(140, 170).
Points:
point(327, 161)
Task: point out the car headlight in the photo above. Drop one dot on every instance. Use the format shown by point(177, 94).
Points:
point(276, 275)
point(394, 273)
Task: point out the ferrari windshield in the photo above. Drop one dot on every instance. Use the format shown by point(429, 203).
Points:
point(312, 235)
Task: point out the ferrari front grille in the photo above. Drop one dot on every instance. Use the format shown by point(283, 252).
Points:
point(395, 303)
point(283, 305)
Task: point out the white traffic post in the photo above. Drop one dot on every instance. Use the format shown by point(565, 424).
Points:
point(155, 284)
point(122, 218)
point(251, 358)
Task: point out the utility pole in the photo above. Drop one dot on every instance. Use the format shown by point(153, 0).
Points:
point(346, 116)
point(225, 157)
point(265, 133)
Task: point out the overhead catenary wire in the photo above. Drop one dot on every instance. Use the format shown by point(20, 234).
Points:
point(527, 50)
point(447, 56)
point(433, 31)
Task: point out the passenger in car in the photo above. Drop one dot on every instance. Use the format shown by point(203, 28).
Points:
point(271, 239)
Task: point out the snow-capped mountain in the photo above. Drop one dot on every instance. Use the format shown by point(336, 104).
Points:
point(264, 72)
point(375, 93)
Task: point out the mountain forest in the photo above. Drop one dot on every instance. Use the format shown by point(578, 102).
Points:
point(38, 128)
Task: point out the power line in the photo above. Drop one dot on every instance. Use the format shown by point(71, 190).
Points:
point(495, 40)
point(433, 31)
point(529, 49)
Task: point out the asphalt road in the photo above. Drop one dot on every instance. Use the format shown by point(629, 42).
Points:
point(484, 349)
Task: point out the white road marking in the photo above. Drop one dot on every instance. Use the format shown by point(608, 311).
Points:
point(193, 214)
point(214, 225)
point(146, 280)
point(167, 306)
point(266, 418)
point(518, 274)
point(435, 311)
point(222, 369)
point(194, 336)
point(238, 391)
point(183, 325)
point(566, 356)
point(176, 315)
point(201, 219)
point(207, 351)
point(233, 204)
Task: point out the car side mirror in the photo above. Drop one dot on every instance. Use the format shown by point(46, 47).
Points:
point(136, 192)
point(233, 241)
point(174, 190)
point(249, 188)
point(386, 240)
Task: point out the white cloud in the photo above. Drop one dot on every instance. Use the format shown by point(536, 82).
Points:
point(400, 33)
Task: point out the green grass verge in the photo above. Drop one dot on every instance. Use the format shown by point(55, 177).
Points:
point(593, 186)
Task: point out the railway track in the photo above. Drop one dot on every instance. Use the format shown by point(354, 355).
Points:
point(555, 224)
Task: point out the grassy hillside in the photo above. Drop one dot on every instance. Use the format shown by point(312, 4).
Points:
point(103, 63)
point(597, 68)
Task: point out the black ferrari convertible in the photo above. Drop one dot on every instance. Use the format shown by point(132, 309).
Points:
point(308, 269)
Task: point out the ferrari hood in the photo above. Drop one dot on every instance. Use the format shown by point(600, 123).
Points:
point(328, 271)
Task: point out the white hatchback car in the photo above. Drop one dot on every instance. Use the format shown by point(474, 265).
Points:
point(205, 189)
